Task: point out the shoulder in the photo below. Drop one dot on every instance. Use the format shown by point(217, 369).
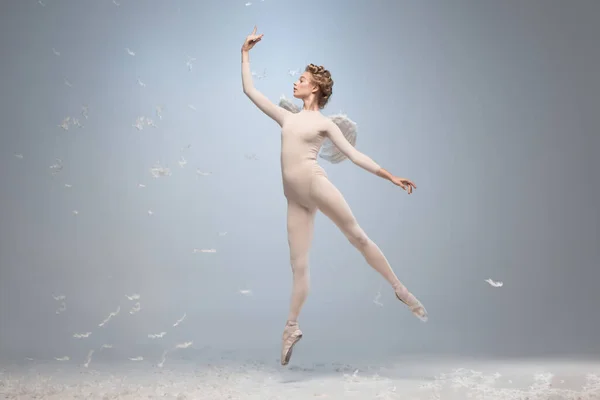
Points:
point(328, 123)
point(325, 124)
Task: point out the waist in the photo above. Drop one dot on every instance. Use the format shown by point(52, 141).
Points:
point(294, 171)
point(293, 159)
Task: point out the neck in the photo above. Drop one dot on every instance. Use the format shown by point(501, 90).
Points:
point(311, 104)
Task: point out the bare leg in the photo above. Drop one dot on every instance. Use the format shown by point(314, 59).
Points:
point(300, 226)
point(331, 202)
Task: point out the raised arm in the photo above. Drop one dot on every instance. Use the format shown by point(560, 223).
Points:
point(362, 160)
point(277, 113)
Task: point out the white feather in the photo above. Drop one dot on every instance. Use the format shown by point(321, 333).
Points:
point(493, 283)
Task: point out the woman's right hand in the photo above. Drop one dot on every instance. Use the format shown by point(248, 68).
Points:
point(251, 40)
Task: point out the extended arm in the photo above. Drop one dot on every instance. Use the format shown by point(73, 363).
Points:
point(362, 160)
point(277, 113)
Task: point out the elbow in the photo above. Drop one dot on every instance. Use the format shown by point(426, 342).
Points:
point(247, 90)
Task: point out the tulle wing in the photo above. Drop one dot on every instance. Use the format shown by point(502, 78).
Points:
point(288, 105)
point(329, 151)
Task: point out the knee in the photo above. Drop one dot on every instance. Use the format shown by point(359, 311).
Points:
point(299, 266)
point(357, 236)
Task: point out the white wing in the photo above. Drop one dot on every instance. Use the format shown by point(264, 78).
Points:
point(329, 151)
point(288, 105)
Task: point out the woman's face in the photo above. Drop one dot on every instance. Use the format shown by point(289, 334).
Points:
point(304, 87)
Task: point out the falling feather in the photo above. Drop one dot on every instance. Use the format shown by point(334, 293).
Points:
point(180, 320)
point(205, 250)
point(189, 63)
point(62, 308)
point(376, 299)
point(88, 359)
point(163, 359)
point(260, 76)
point(136, 308)
point(494, 283)
point(202, 173)
point(158, 171)
point(112, 314)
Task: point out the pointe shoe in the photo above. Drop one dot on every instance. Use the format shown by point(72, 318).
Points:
point(414, 305)
point(291, 335)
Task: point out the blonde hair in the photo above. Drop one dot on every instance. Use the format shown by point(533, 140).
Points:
point(322, 78)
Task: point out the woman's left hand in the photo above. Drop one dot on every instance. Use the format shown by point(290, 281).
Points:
point(404, 183)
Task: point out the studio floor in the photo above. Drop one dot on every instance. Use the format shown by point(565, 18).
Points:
point(412, 379)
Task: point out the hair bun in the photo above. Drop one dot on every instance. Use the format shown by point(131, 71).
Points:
point(322, 77)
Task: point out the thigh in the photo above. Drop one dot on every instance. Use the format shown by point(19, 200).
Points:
point(331, 202)
point(300, 227)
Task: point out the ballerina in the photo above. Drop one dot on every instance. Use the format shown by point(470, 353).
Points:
point(304, 134)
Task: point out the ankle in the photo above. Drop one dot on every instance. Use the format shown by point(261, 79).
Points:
point(400, 289)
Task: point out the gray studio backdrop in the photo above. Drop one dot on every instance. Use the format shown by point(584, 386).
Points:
point(491, 107)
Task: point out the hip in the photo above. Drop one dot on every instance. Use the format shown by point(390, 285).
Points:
point(298, 181)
